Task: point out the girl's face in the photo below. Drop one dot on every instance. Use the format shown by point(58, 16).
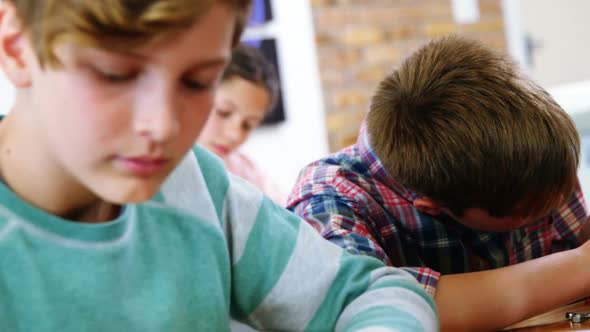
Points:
point(239, 107)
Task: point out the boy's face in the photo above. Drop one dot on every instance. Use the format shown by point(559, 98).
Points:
point(480, 219)
point(118, 123)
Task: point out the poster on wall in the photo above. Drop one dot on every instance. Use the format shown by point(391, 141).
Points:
point(261, 17)
point(261, 13)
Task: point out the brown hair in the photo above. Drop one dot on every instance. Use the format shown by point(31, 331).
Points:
point(250, 64)
point(113, 24)
point(459, 124)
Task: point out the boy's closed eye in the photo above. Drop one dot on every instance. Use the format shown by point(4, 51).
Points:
point(107, 68)
point(198, 85)
point(115, 76)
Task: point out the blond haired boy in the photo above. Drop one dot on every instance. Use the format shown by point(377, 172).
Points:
point(110, 222)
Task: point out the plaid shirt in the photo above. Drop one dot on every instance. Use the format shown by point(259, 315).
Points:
point(352, 201)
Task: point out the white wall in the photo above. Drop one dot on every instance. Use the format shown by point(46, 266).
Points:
point(561, 64)
point(559, 30)
point(575, 99)
point(284, 149)
point(514, 31)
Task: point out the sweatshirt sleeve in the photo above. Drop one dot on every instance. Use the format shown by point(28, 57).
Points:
point(285, 276)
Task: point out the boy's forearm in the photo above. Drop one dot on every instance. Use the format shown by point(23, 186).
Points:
point(584, 233)
point(494, 299)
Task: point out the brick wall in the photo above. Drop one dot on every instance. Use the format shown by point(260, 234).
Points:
point(359, 41)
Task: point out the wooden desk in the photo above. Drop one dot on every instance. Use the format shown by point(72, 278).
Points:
point(555, 320)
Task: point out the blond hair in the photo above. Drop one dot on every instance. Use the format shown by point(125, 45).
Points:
point(113, 24)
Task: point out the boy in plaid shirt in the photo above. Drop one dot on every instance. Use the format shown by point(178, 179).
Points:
point(465, 176)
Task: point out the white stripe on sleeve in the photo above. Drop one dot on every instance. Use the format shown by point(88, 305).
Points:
point(305, 282)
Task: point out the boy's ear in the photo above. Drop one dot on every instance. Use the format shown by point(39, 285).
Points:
point(428, 206)
point(12, 46)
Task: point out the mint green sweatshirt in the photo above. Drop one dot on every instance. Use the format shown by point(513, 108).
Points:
point(207, 248)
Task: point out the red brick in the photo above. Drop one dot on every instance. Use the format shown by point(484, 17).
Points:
point(349, 98)
point(363, 36)
point(384, 53)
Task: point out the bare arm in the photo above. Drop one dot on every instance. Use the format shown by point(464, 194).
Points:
point(491, 300)
point(584, 233)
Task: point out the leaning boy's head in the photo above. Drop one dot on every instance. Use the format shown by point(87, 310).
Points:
point(112, 94)
point(459, 125)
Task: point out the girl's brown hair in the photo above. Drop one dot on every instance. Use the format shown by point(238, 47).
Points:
point(249, 63)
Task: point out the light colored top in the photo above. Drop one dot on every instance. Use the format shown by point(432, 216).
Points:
point(239, 164)
point(208, 247)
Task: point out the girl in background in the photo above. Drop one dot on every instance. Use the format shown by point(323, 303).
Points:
point(247, 92)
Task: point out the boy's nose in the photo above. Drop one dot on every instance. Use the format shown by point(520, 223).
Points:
point(157, 118)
